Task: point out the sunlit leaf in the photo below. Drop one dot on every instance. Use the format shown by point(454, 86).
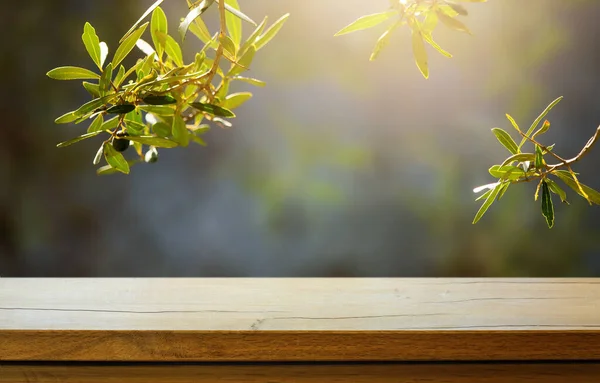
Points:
point(539, 158)
point(92, 44)
point(539, 119)
point(96, 125)
point(159, 142)
point(192, 15)
point(159, 26)
point(506, 140)
point(159, 100)
point(554, 188)
point(115, 159)
point(251, 81)
point(234, 100)
point(367, 21)
point(173, 50)
point(382, 41)
point(270, 32)
point(245, 60)
point(452, 23)
point(487, 203)
point(239, 14)
point(419, 53)
point(128, 44)
point(507, 172)
point(77, 139)
point(134, 26)
point(159, 110)
point(568, 179)
point(106, 80)
point(234, 24)
point(72, 73)
point(520, 157)
point(180, 133)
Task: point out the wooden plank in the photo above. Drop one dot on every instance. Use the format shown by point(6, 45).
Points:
point(355, 373)
point(299, 319)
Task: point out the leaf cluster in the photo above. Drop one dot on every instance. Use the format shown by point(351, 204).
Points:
point(421, 17)
point(526, 166)
point(162, 101)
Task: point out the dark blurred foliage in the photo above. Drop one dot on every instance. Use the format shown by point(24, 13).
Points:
point(339, 167)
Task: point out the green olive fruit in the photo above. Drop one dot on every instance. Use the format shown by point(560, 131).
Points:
point(120, 144)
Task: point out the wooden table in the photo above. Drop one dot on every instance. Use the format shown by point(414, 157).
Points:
point(300, 330)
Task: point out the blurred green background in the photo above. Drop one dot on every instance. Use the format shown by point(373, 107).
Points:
point(339, 167)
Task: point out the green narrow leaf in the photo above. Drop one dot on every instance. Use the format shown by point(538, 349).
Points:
point(66, 118)
point(234, 23)
point(159, 25)
point(239, 14)
point(507, 172)
point(90, 106)
point(72, 73)
point(503, 190)
point(159, 110)
point(192, 15)
point(92, 44)
point(110, 124)
point(159, 142)
point(514, 124)
point(115, 159)
point(173, 50)
point(134, 128)
point(96, 125)
point(134, 26)
point(93, 89)
point(539, 158)
point(77, 139)
point(105, 85)
point(253, 37)
point(420, 53)
point(452, 23)
point(245, 60)
point(506, 140)
point(367, 21)
point(547, 206)
point(542, 130)
point(554, 188)
point(251, 81)
point(234, 100)
point(228, 45)
point(270, 32)
point(128, 44)
point(487, 203)
point(180, 132)
point(429, 39)
point(161, 129)
point(382, 41)
point(520, 157)
point(458, 9)
point(539, 118)
point(567, 178)
point(213, 109)
point(120, 76)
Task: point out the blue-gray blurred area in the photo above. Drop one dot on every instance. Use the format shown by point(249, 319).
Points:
point(338, 167)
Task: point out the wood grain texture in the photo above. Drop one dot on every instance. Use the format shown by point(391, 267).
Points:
point(299, 319)
point(356, 373)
